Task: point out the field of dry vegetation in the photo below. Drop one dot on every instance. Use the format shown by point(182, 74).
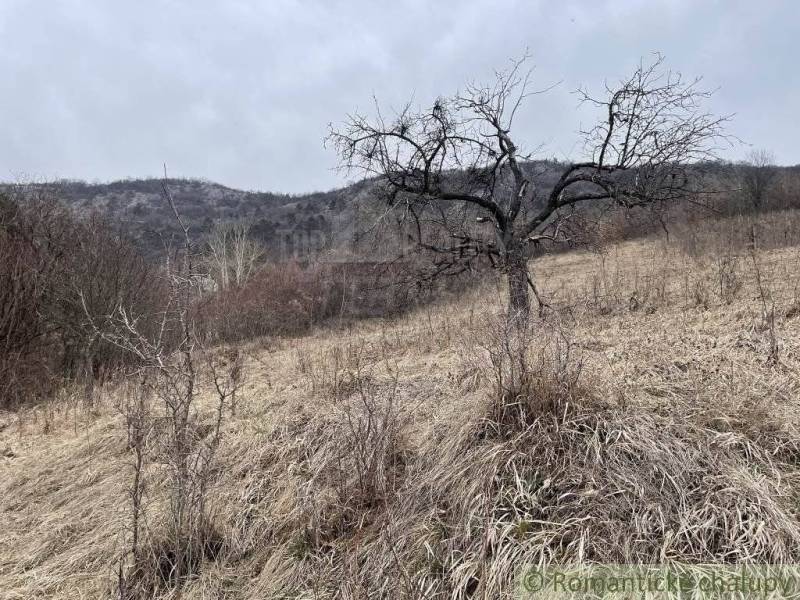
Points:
point(653, 419)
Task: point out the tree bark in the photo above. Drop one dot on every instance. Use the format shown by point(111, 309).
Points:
point(519, 302)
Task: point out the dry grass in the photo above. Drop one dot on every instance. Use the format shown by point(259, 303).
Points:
point(373, 462)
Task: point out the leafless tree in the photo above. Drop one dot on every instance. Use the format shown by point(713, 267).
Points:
point(232, 254)
point(758, 176)
point(457, 164)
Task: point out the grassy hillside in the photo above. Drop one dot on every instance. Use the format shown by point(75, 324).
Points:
point(658, 422)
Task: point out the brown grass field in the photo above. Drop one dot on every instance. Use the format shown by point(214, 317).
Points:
point(659, 423)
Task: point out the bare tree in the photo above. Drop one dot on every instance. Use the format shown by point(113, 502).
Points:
point(232, 254)
point(758, 176)
point(457, 164)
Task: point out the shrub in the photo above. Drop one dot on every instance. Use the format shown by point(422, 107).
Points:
point(57, 273)
point(290, 298)
point(28, 262)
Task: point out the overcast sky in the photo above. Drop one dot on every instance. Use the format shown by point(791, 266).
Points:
point(241, 91)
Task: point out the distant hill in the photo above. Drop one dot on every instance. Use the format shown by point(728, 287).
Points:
point(287, 224)
point(306, 225)
point(139, 207)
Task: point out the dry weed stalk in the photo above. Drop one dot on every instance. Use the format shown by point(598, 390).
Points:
point(372, 432)
point(532, 374)
point(767, 306)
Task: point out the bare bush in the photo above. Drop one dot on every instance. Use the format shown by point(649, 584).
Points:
point(291, 298)
point(35, 236)
point(26, 368)
point(55, 269)
point(728, 277)
point(372, 431)
point(99, 273)
point(538, 376)
point(169, 373)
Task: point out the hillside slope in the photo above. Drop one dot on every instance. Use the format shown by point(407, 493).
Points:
point(311, 224)
point(659, 425)
point(139, 206)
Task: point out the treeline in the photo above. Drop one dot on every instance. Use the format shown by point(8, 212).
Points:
point(746, 189)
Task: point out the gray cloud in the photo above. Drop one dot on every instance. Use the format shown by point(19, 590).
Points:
point(241, 91)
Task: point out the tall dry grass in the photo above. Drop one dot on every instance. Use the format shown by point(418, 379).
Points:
point(646, 423)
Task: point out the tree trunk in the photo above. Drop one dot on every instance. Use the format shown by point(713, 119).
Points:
point(519, 302)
